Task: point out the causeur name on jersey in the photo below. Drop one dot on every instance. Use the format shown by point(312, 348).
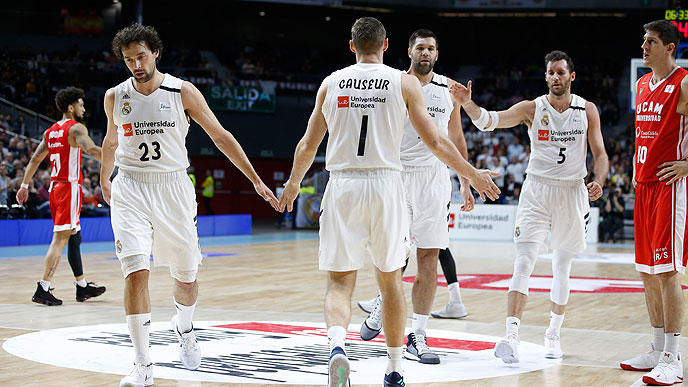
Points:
point(364, 84)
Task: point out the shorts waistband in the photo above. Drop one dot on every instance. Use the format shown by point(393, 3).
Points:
point(422, 168)
point(365, 173)
point(153, 177)
point(556, 182)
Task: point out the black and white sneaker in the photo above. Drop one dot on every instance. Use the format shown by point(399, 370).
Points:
point(417, 349)
point(91, 290)
point(45, 298)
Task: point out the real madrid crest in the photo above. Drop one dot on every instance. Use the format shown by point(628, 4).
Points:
point(118, 245)
point(126, 108)
point(544, 120)
point(517, 232)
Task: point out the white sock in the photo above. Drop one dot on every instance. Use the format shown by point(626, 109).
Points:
point(45, 285)
point(512, 325)
point(139, 331)
point(671, 342)
point(658, 342)
point(82, 282)
point(420, 322)
point(555, 322)
point(184, 316)
point(335, 336)
point(394, 361)
point(454, 293)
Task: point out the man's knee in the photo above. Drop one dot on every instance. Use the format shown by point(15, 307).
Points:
point(184, 278)
point(135, 265)
point(526, 255)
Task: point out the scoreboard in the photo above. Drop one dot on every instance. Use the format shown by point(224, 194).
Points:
point(679, 18)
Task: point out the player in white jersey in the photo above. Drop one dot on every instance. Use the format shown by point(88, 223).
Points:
point(428, 193)
point(554, 196)
point(363, 107)
point(152, 199)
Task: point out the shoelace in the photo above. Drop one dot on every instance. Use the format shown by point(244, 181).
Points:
point(139, 369)
point(552, 336)
point(376, 314)
point(420, 342)
point(188, 343)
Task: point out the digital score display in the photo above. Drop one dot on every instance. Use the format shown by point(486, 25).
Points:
point(679, 18)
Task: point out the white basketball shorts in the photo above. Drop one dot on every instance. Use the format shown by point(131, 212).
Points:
point(428, 193)
point(559, 206)
point(155, 212)
point(363, 216)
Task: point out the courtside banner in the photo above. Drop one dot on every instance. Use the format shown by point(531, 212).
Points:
point(497, 222)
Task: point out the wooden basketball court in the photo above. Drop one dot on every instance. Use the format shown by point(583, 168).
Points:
point(274, 277)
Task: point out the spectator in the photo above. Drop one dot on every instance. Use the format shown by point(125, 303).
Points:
point(612, 215)
point(4, 182)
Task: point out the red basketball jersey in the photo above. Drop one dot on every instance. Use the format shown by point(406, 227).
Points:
point(65, 160)
point(660, 132)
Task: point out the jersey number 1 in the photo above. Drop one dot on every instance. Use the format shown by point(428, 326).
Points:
point(362, 137)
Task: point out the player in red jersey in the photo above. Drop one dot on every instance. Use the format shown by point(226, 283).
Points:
point(659, 174)
point(64, 142)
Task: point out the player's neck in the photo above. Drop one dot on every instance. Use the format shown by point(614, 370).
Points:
point(67, 116)
point(147, 88)
point(369, 58)
point(424, 79)
point(662, 70)
point(560, 102)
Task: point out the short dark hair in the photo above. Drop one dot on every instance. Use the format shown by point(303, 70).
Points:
point(557, 55)
point(667, 31)
point(368, 35)
point(68, 96)
point(422, 33)
point(135, 33)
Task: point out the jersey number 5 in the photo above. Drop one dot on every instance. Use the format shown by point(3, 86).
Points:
point(562, 155)
point(156, 150)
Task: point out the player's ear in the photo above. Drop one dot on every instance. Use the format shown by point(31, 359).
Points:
point(351, 46)
point(385, 45)
point(573, 76)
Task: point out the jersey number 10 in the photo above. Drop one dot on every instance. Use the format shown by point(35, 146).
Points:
point(641, 154)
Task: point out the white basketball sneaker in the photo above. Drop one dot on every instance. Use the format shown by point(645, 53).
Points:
point(553, 345)
point(372, 326)
point(669, 370)
point(367, 306)
point(644, 362)
point(140, 376)
point(451, 310)
point(189, 350)
point(507, 348)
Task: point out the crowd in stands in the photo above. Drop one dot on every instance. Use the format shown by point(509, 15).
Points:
point(15, 153)
point(28, 79)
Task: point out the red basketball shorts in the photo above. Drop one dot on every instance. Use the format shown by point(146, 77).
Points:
point(660, 227)
point(65, 205)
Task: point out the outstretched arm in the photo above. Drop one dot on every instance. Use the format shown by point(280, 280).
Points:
point(197, 108)
point(36, 158)
point(456, 135)
point(305, 150)
point(520, 113)
point(439, 144)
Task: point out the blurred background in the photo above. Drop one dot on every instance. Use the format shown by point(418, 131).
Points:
point(260, 64)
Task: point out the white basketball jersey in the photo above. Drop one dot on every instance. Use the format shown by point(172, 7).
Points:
point(414, 152)
point(151, 129)
point(558, 146)
point(365, 112)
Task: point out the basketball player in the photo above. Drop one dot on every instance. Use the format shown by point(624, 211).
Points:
point(659, 174)
point(152, 199)
point(364, 207)
point(428, 193)
point(554, 197)
point(63, 142)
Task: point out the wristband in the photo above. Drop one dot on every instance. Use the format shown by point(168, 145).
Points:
point(495, 120)
point(482, 120)
point(24, 185)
